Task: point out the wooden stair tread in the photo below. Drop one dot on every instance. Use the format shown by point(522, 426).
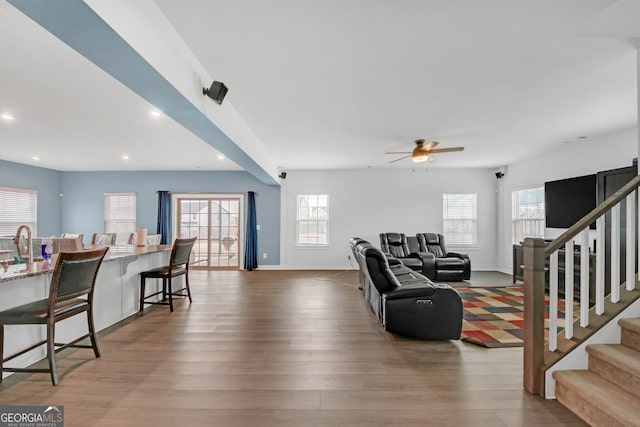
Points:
point(619, 355)
point(633, 324)
point(603, 395)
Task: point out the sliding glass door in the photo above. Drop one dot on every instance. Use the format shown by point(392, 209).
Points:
point(216, 223)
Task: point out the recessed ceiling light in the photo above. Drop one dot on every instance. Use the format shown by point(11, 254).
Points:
point(7, 116)
point(583, 137)
point(155, 113)
point(36, 158)
point(221, 156)
point(125, 157)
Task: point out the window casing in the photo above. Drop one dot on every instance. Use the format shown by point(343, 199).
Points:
point(119, 212)
point(18, 207)
point(460, 219)
point(527, 213)
point(312, 220)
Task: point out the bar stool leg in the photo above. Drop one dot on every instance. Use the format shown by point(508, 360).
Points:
point(142, 286)
point(51, 351)
point(92, 332)
point(164, 289)
point(186, 283)
point(1, 352)
point(170, 292)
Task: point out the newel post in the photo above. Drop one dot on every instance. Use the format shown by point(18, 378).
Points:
point(534, 278)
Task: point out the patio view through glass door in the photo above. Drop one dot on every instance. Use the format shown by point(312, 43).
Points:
point(215, 222)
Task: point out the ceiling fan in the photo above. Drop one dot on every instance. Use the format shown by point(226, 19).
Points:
point(423, 152)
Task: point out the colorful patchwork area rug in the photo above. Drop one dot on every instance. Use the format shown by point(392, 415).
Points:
point(494, 317)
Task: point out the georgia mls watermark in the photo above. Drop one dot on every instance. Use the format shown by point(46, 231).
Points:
point(31, 416)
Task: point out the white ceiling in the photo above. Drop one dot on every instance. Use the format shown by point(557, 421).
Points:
point(74, 116)
point(336, 83)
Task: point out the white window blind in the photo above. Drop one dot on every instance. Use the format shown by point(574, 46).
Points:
point(527, 213)
point(119, 212)
point(459, 215)
point(18, 207)
point(312, 219)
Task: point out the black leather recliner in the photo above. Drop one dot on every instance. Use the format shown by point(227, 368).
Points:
point(406, 302)
point(449, 266)
point(396, 245)
point(354, 242)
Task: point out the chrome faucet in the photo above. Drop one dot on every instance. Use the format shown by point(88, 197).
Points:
point(29, 243)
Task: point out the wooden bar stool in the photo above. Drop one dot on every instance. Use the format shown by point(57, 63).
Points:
point(71, 292)
point(178, 266)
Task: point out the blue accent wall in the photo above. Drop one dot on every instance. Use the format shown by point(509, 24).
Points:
point(48, 184)
point(80, 209)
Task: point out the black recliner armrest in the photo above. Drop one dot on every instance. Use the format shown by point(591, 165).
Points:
point(457, 255)
point(426, 312)
point(414, 290)
point(393, 260)
point(428, 264)
point(467, 263)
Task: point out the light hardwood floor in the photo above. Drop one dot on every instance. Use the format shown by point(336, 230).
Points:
point(282, 348)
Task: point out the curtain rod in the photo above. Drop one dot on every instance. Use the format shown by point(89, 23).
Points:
point(209, 192)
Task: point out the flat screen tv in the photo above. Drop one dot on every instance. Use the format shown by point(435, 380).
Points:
point(566, 201)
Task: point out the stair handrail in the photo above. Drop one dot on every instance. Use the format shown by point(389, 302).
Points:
point(535, 253)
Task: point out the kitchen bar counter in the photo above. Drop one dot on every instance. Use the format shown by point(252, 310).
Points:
point(121, 252)
point(116, 295)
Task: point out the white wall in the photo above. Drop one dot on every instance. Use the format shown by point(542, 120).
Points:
point(590, 156)
point(364, 203)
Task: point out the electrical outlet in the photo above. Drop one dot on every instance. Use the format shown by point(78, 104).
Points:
point(264, 255)
point(349, 257)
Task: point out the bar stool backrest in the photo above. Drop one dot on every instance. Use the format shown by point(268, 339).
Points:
point(72, 236)
point(181, 251)
point(75, 275)
point(154, 239)
point(66, 244)
point(103, 239)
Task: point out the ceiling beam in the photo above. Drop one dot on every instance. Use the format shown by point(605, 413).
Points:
point(76, 24)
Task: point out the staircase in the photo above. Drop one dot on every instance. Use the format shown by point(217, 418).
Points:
point(608, 393)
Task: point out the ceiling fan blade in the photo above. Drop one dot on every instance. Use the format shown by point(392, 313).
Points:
point(398, 152)
point(401, 158)
point(430, 145)
point(446, 150)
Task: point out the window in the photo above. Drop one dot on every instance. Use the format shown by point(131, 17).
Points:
point(527, 213)
point(459, 214)
point(120, 212)
point(18, 207)
point(313, 220)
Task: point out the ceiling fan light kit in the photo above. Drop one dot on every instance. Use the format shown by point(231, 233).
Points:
point(422, 153)
point(419, 156)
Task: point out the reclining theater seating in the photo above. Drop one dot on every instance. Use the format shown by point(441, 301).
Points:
point(449, 266)
point(354, 243)
point(406, 302)
point(397, 245)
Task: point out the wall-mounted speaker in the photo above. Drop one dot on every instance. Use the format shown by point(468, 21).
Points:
point(283, 175)
point(217, 91)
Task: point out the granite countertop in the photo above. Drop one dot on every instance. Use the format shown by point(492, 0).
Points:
point(20, 271)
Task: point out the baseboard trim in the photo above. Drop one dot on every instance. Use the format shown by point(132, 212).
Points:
point(484, 267)
point(305, 267)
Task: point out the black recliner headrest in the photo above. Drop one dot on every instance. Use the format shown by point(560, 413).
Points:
point(432, 238)
point(394, 239)
point(356, 240)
